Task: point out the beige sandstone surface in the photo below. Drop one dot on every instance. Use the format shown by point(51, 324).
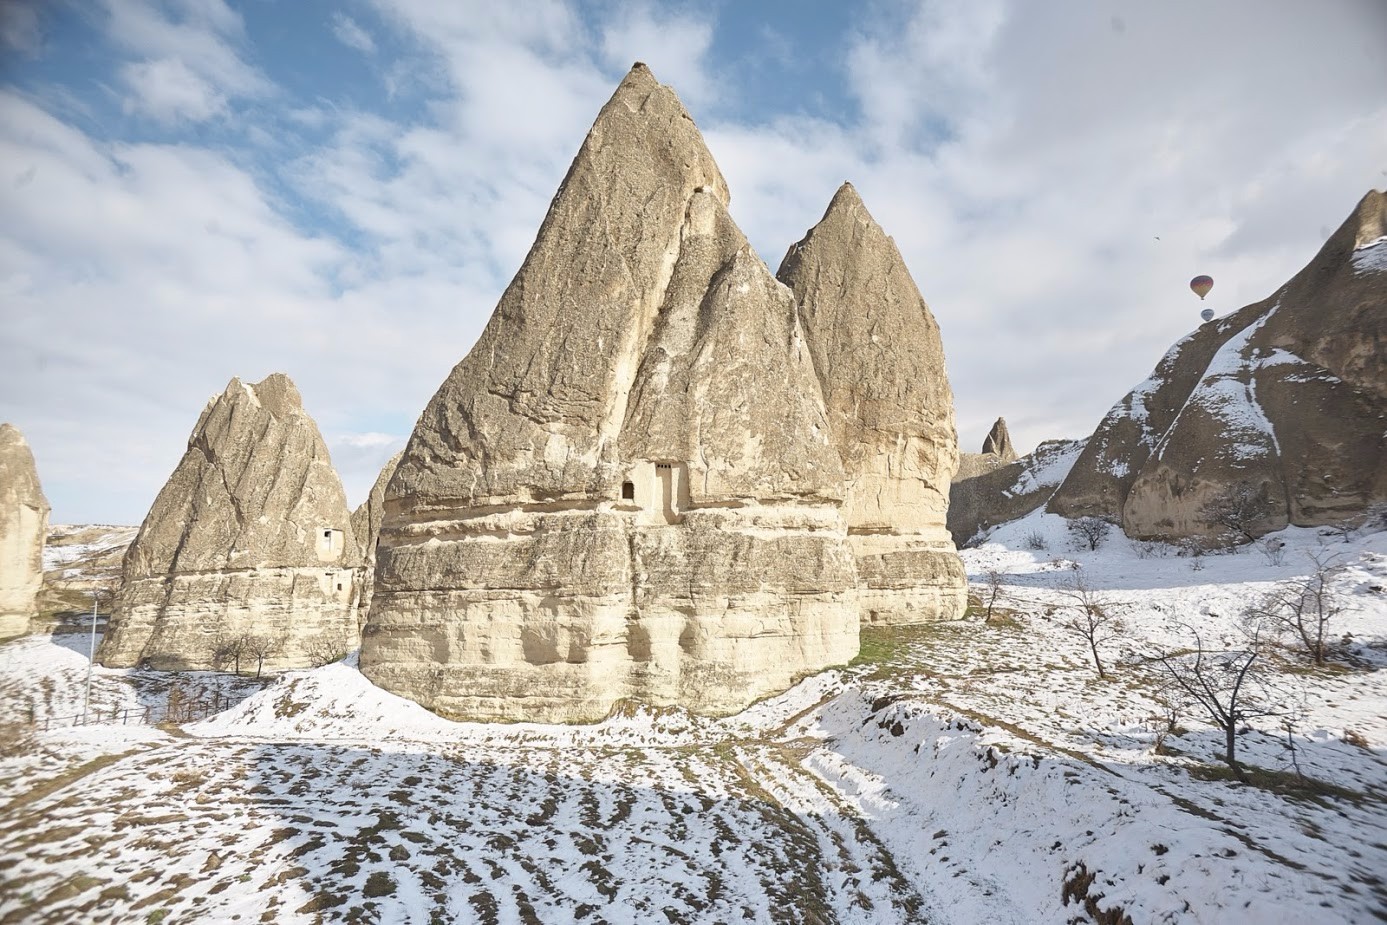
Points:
point(1287, 396)
point(23, 526)
point(879, 359)
point(627, 488)
point(366, 528)
point(249, 538)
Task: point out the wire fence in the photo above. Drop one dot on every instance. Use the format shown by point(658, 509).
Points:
point(178, 709)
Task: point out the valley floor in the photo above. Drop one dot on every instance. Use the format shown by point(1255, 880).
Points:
point(956, 773)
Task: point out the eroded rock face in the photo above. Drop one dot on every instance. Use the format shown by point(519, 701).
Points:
point(249, 538)
point(626, 489)
point(1287, 397)
point(1001, 493)
point(366, 527)
point(997, 451)
point(23, 526)
point(880, 362)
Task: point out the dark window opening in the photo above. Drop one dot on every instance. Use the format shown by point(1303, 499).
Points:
point(628, 491)
point(664, 465)
point(339, 586)
point(327, 534)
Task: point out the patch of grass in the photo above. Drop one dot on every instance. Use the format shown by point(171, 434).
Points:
point(1284, 783)
point(379, 884)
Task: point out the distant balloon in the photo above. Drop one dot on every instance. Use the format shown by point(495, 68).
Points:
point(1201, 285)
point(1207, 314)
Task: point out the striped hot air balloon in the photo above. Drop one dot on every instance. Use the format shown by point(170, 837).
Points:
point(1201, 286)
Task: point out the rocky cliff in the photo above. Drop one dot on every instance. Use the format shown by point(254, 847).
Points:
point(880, 363)
point(23, 526)
point(366, 527)
point(627, 488)
point(1003, 492)
point(1283, 402)
point(249, 541)
point(997, 451)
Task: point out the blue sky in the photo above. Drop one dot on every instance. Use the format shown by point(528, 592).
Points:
point(197, 189)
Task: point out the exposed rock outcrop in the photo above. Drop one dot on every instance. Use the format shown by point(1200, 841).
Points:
point(626, 489)
point(1285, 399)
point(997, 451)
point(23, 526)
point(880, 363)
point(250, 539)
point(366, 527)
point(1005, 492)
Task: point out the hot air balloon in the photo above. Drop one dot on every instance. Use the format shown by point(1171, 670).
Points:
point(1207, 314)
point(1201, 285)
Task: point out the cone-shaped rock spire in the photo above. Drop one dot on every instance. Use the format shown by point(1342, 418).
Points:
point(626, 489)
point(998, 443)
point(23, 529)
point(249, 538)
point(880, 361)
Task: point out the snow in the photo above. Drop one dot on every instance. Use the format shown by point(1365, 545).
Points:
point(958, 773)
point(1050, 470)
point(1371, 257)
point(1223, 393)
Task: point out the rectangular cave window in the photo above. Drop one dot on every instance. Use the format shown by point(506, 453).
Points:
point(628, 491)
point(327, 534)
point(339, 586)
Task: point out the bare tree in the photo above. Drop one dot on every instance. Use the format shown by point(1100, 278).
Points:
point(1238, 509)
point(1225, 684)
point(328, 647)
point(992, 591)
point(1302, 609)
point(1090, 531)
point(260, 647)
point(1090, 615)
point(230, 649)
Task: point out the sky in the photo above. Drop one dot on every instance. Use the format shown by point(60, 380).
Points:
point(192, 190)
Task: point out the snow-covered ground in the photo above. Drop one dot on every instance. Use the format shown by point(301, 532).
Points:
point(957, 773)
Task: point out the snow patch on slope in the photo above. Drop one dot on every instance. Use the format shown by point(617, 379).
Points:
point(1370, 257)
point(1223, 394)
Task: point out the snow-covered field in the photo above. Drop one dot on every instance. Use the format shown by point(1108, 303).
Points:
point(957, 773)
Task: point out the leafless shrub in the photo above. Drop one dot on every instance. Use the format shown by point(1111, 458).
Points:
point(1090, 531)
point(261, 646)
point(328, 647)
point(992, 591)
point(1303, 609)
point(1273, 549)
point(1092, 616)
point(1228, 685)
point(1239, 510)
point(229, 650)
point(1035, 541)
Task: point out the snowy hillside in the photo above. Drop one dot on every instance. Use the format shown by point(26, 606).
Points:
point(957, 773)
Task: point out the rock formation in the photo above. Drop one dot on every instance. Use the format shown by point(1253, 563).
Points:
point(23, 526)
point(880, 363)
point(1000, 493)
point(1284, 400)
point(366, 527)
point(998, 442)
point(626, 489)
point(250, 540)
point(997, 451)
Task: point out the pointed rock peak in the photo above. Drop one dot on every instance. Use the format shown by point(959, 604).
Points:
point(847, 197)
point(1371, 216)
point(278, 395)
point(10, 436)
point(999, 441)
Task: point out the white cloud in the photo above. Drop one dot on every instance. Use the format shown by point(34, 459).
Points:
point(186, 63)
point(167, 90)
point(351, 34)
point(675, 46)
